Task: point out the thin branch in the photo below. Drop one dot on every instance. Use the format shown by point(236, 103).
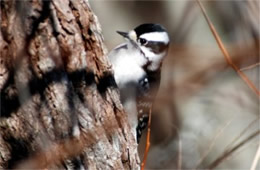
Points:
point(179, 159)
point(147, 146)
point(213, 141)
point(242, 133)
point(250, 67)
point(225, 53)
point(226, 154)
point(179, 165)
point(255, 144)
point(256, 158)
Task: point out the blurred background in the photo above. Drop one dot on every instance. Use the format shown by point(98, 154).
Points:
point(205, 113)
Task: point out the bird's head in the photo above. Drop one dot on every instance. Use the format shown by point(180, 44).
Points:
point(153, 41)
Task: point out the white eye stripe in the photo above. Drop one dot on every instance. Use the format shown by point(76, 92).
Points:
point(156, 36)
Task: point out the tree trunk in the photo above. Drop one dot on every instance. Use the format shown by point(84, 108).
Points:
point(60, 107)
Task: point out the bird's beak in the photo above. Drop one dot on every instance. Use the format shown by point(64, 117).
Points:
point(124, 34)
point(131, 35)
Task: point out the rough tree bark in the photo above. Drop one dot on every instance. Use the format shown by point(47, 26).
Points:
point(60, 106)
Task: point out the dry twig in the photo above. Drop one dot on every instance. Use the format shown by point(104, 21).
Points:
point(250, 67)
point(252, 144)
point(226, 54)
point(220, 131)
point(256, 159)
point(242, 133)
point(227, 153)
point(147, 146)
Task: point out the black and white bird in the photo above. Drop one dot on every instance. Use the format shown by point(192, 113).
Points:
point(137, 68)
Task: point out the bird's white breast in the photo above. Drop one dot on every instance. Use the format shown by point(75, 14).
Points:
point(127, 65)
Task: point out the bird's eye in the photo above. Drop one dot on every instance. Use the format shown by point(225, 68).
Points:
point(143, 41)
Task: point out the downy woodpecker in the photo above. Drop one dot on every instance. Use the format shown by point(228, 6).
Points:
point(137, 70)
